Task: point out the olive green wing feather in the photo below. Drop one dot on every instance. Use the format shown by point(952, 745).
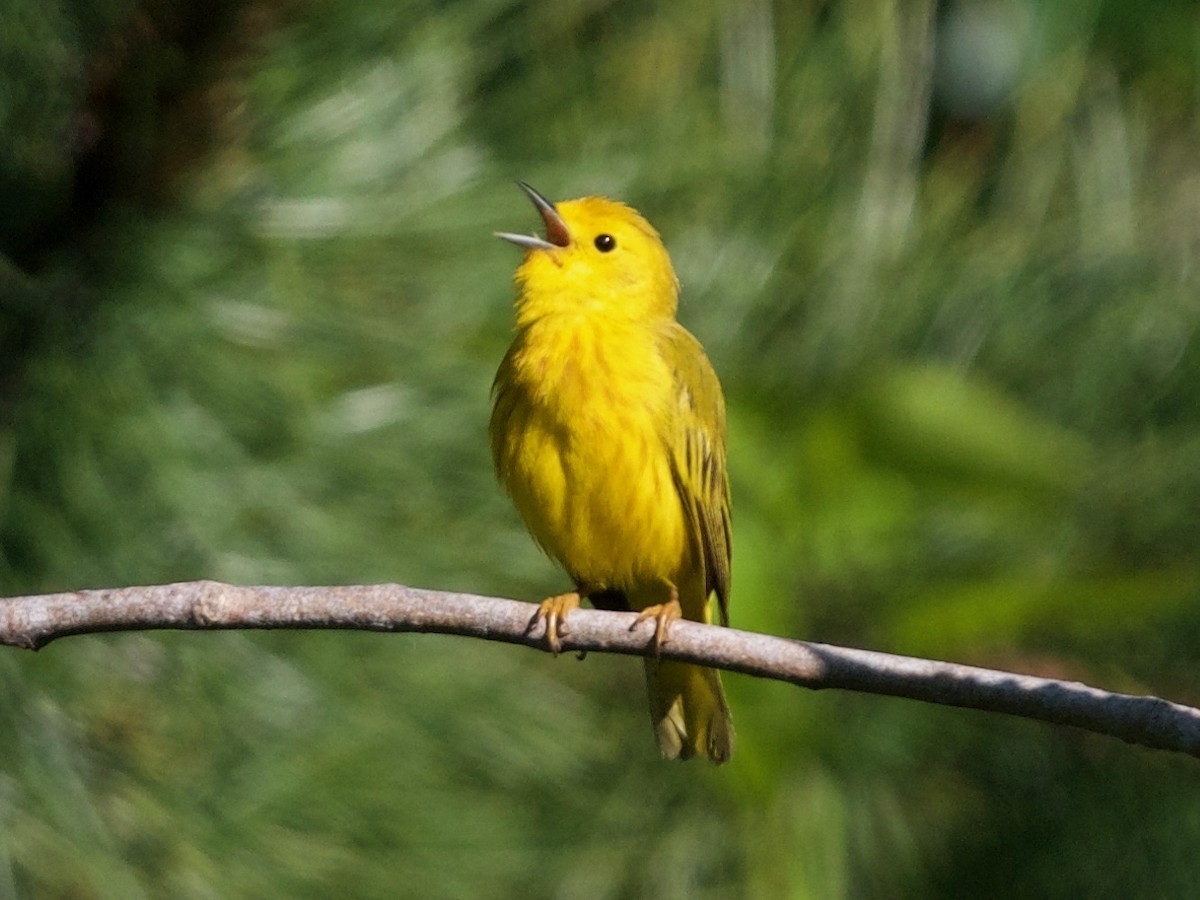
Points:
point(695, 440)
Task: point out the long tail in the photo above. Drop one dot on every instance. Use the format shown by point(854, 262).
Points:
point(688, 711)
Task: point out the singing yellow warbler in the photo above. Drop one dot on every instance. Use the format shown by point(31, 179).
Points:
point(608, 431)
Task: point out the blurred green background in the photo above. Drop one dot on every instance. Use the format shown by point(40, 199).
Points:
point(946, 258)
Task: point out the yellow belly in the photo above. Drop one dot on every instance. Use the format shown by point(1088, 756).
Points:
point(578, 443)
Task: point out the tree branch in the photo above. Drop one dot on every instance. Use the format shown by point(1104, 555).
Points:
point(32, 622)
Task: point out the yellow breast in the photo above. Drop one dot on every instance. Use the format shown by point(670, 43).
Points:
point(577, 441)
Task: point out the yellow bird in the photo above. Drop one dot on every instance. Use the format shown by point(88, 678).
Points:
point(608, 431)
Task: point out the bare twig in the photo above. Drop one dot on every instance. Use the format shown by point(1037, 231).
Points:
point(35, 621)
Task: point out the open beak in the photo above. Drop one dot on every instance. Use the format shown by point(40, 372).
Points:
point(557, 233)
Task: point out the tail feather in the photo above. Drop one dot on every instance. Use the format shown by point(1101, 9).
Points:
point(688, 711)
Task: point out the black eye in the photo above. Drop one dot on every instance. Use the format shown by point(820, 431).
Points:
point(605, 242)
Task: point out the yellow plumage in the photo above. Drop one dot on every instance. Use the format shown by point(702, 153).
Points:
point(608, 431)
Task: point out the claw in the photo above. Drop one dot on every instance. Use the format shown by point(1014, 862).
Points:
point(663, 615)
point(552, 612)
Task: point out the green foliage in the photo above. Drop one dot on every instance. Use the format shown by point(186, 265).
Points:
point(249, 314)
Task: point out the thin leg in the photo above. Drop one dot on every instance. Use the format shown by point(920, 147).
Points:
point(663, 614)
point(552, 612)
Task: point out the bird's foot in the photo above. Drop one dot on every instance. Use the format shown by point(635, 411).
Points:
point(552, 612)
point(663, 615)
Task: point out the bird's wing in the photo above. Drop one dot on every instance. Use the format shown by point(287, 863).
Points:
point(696, 443)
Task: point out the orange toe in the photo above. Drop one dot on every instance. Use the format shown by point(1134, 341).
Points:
point(663, 614)
point(552, 612)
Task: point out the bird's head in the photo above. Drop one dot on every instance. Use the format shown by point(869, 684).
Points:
point(598, 255)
